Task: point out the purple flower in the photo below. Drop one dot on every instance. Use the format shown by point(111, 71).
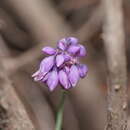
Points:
point(63, 65)
point(74, 75)
point(82, 70)
point(45, 66)
point(72, 40)
point(82, 51)
point(62, 44)
point(63, 78)
point(52, 80)
point(46, 77)
point(59, 60)
point(73, 49)
point(49, 50)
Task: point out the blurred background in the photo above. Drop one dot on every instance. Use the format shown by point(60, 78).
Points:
point(28, 25)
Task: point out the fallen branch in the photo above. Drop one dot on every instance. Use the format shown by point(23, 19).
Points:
point(114, 43)
point(40, 18)
point(92, 26)
point(86, 32)
point(12, 33)
point(18, 118)
point(35, 101)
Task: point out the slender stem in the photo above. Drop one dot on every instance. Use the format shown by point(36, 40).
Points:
point(59, 116)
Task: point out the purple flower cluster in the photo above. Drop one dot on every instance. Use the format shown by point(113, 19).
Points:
point(62, 66)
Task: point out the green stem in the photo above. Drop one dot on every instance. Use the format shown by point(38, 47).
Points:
point(59, 116)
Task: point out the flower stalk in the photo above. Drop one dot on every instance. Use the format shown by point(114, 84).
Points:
point(59, 116)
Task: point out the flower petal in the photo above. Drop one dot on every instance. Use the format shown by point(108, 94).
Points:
point(82, 70)
point(52, 81)
point(46, 77)
point(59, 60)
point(46, 64)
point(63, 79)
point(49, 50)
point(67, 69)
point(62, 44)
point(74, 75)
point(35, 74)
point(38, 77)
point(73, 49)
point(67, 57)
point(72, 40)
point(82, 51)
